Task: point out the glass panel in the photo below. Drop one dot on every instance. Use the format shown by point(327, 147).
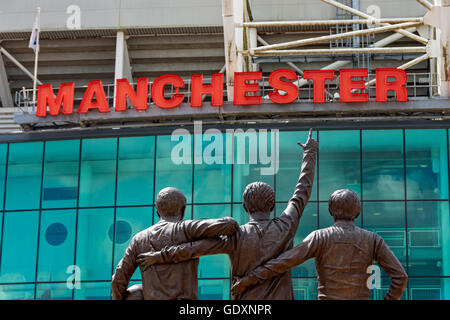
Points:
point(135, 171)
point(94, 291)
point(426, 164)
point(17, 292)
point(253, 156)
point(387, 219)
point(428, 238)
point(214, 289)
point(308, 223)
point(3, 148)
point(305, 289)
point(325, 219)
point(61, 174)
point(129, 221)
point(19, 247)
point(215, 266)
point(94, 246)
point(56, 244)
point(212, 172)
point(53, 291)
point(379, 293)
point(239, 214)
point(291, 156)
point(24, 176)
point(383, 177)
point(170, 171)
point(98, 172)
point(429, 288)
point(339, 162)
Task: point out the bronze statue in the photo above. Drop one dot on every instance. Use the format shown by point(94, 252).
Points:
point(258, 241)
point(342, 252)
point(174, 281)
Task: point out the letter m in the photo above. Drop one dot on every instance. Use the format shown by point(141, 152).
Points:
point(46, 98)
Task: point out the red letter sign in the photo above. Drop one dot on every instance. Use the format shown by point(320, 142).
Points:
point(347, 85)
point(383, 86)
point(215, 89)
point(241, 87)
point(158, 91)
point(94, 88)
point(138, 98)
point(286, 86)
point(318, 77)
point(46, 98)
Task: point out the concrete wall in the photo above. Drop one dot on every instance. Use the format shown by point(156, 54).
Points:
point(18, 15)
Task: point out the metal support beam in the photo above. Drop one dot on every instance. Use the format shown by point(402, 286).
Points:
point(439, 17)
point(230, 45)
point(5, 90)
point(366, 16)
point(350, 34)
point(18, 64)
point(306, 23)
point(340, 51)
point(122, 67)
point(425, 3)
point(238, 13)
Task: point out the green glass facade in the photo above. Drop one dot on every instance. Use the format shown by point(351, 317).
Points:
point(79, 202)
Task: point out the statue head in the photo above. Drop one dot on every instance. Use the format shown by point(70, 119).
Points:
point(344, 204)
point(258, 197)
point(170, 202)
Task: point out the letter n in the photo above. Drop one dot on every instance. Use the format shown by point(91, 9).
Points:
point(138, 98)
point(47, 98)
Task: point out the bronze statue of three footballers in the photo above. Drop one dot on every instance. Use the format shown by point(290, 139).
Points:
point(261, 251)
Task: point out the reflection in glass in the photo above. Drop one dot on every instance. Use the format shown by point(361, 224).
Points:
point(387, 219)
point(212, 172)
point(215, 266)
point(305, 289)
point(53, 291)
point(60, 186)
point(135, 171)
point(24, 176)
point(380, 293)
point(339, 162)
point(248, 165)
point(56, 249)
point(214, 289)
point(3, 149)
point(20, 231)
point(290, 160)
point(17, 292)
point(139, 218)
point(308, 223)
point(98, 172)
point(382, 161)
point(426, 164)
point(94, 247)
point(94, 291)
point(173, 168)
point(239, 214)
point(428, 238)
point(429, 288)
